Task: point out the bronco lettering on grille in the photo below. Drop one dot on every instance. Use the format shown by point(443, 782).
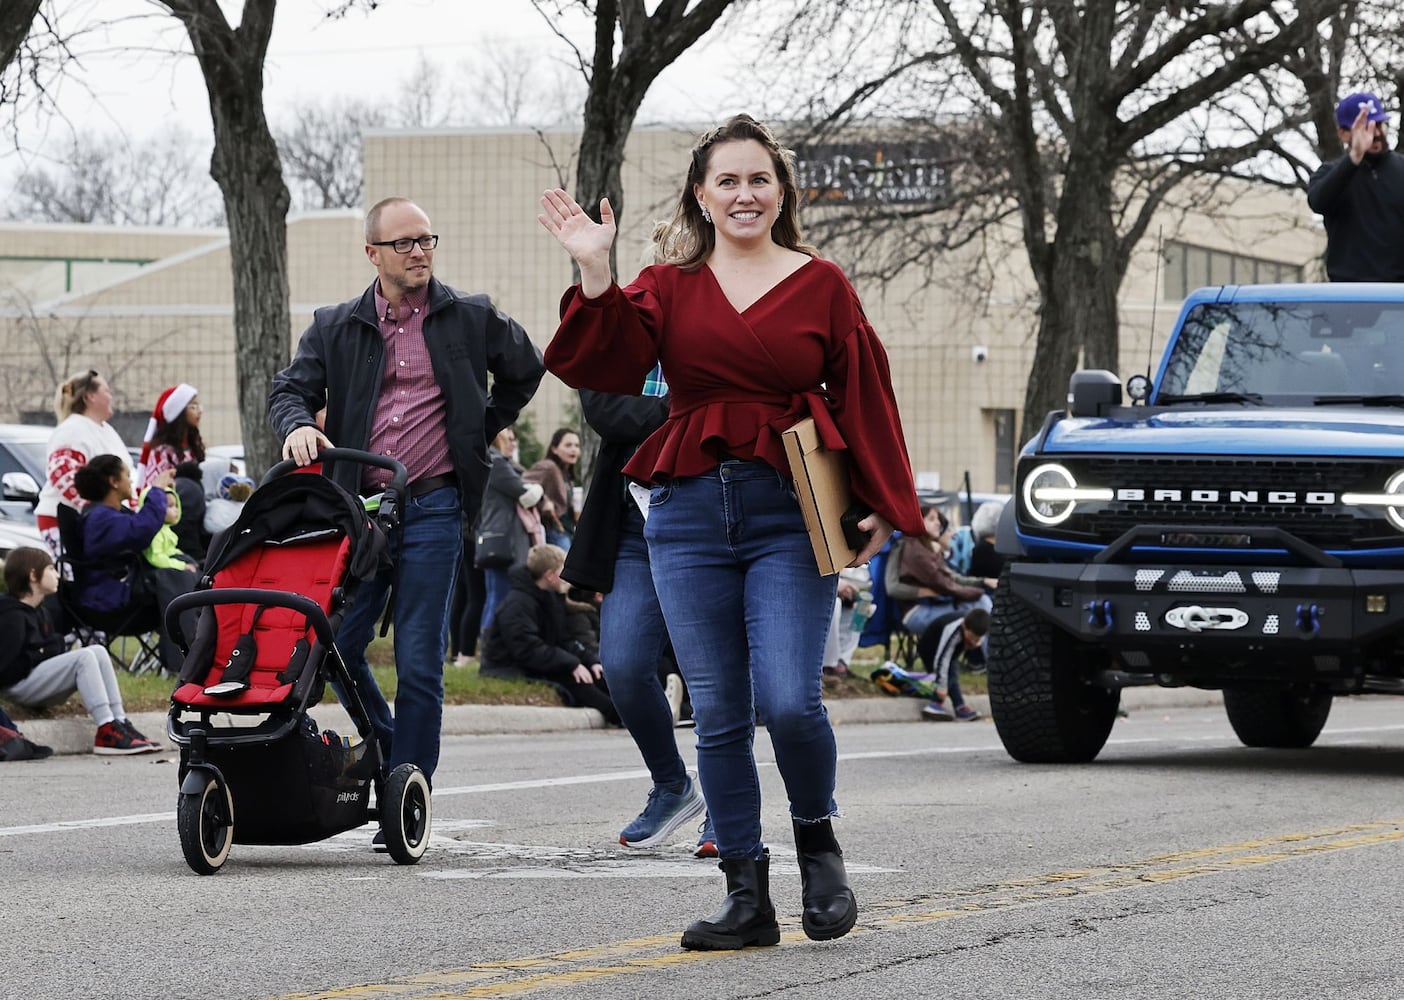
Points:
point(1132, 494)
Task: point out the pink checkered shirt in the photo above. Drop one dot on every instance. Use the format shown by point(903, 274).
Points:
point(409, 423)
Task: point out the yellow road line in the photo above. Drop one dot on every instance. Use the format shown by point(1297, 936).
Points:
point(620, 959)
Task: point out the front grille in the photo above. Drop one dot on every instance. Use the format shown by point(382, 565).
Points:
point(1330, 527)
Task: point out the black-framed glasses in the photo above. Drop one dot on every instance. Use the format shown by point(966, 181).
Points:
point(408, 243)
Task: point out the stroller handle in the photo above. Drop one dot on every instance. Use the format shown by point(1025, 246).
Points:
point(389, 513)
point(399, 476)
point(305, 606)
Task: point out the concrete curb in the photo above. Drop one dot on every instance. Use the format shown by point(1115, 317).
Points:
point(75, 735)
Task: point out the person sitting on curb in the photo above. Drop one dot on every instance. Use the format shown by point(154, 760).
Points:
point(945, 643)
point(530, 637)
point(36, 670)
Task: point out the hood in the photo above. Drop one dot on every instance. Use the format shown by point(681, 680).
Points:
point(1323, 430)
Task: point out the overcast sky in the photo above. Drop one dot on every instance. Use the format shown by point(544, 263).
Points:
point(137, 74)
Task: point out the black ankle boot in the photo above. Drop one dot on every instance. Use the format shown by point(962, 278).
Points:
point(830, 911)
point(746, 916)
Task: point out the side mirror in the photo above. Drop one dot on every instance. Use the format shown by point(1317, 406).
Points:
point(1092, 393)
point(19, 486)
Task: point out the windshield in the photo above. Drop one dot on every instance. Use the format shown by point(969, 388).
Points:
point(33, 455)
point(1305, 350)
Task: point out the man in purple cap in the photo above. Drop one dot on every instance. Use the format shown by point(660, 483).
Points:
point(1361, 197)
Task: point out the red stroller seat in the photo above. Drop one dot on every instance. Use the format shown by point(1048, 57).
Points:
point(282, 638)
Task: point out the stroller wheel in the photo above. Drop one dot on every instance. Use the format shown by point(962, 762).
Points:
point(206, 823)
point(404, 814)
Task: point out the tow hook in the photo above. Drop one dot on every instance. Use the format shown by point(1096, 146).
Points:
point(1099, 617)
point(1309, 619)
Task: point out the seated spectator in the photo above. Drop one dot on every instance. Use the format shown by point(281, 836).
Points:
point(843, 637)
point(224, 507)
point(985, 562)
point(117, 544)
point(530, 637)
point(919, 580)
point(37, 669)
point(14, 745)
point(944, 648)
point(189, 530)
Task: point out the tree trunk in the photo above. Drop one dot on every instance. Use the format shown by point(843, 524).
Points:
point(248, 171)
point(15, 18)
point(1079, 311)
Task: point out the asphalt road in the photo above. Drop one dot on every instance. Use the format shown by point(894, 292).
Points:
point(1178, 865)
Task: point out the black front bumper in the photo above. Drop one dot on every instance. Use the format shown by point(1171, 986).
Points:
point(1215, 609)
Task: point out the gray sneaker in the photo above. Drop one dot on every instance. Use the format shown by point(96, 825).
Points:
point(664, 813)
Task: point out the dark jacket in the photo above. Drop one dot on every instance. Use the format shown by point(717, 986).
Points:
point(530, 637)
point(113, 540)
point(27, 638)
point(1362, 207)
point(500, 500)
point(623, 423)
point(341, 358)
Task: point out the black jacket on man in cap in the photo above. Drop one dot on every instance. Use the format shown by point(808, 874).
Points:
point(1363, 209)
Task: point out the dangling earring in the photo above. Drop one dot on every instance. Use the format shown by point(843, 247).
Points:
point(706, 214)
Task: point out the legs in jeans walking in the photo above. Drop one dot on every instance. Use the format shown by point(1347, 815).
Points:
point(426, 557)
point(731, 559)
point(632, 640)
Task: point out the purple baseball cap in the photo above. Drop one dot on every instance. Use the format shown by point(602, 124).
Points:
point(1350, 107)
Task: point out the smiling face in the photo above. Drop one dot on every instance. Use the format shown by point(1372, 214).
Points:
point(401, 272)
point(742, 190)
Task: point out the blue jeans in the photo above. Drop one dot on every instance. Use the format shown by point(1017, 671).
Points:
point(748, 613)
point(919, 618)
point(632, 639)
point(496, 586)
point(426, 553)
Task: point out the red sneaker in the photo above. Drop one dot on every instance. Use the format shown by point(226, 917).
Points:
point(120, 738)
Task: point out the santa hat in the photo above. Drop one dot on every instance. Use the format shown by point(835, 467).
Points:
point(169, 405)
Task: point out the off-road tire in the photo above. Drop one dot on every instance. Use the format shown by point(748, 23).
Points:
point(1281, 718)
point(1043, 707)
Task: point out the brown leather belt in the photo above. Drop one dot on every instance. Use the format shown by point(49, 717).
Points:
point(431, 483)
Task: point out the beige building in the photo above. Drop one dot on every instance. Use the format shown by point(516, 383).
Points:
point(154, 307)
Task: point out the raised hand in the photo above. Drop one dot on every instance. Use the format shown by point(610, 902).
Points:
point(586, 240)
point(1362, 135)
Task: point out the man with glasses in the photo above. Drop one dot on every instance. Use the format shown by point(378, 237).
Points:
point(403, 371)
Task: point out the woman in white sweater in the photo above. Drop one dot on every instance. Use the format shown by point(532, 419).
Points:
point(83, 405)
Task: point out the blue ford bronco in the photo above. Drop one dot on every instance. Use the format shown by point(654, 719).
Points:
point(1238, 525)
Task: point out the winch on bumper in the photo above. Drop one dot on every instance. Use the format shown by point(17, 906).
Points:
point(1152, 615)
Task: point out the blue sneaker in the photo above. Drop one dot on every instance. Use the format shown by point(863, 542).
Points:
point(706, 839)
point(664, 813)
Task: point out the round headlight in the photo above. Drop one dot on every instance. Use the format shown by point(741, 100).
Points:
point(1048, 494)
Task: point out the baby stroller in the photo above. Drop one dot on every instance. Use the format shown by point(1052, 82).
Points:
point(253, 767)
